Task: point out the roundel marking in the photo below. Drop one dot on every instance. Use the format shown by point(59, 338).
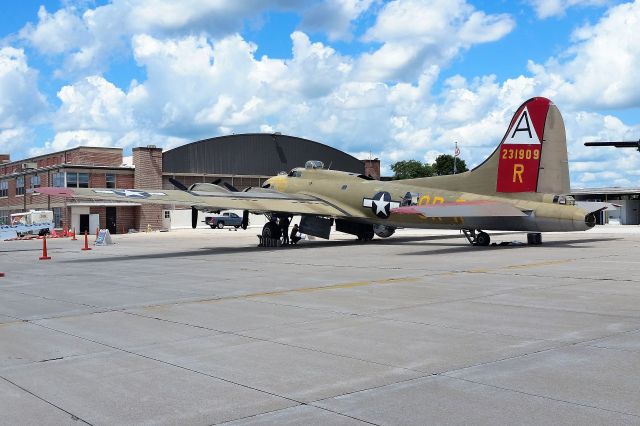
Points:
point(381, 204)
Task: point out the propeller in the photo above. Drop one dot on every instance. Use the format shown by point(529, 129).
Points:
point(617, 144)
point(225, 184)
point(179, 185)
point(194, 217)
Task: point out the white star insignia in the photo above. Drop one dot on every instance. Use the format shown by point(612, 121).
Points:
point(381, 204)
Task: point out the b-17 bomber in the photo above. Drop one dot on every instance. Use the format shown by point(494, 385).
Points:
point(522, 186)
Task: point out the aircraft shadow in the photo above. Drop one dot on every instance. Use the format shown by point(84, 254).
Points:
point(412, 241)
point(469, 248)
point(205, 251)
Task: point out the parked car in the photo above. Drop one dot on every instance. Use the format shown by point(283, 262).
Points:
point(225, 219)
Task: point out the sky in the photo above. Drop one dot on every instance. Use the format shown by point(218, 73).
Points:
point(396, 80)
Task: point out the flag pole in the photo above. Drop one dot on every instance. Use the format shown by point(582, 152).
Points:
point(455, 157)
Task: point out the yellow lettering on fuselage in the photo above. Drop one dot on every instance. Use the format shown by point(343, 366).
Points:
point(424, 200)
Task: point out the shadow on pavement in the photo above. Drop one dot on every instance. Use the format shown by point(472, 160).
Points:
point(320, 244)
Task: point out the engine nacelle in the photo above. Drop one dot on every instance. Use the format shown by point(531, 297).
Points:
point(383, 231)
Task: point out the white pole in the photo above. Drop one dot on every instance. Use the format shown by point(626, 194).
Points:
point(455, 156)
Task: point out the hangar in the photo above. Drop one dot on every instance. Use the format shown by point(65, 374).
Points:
point(249, 159)
point(241, 160)
point(627, 198)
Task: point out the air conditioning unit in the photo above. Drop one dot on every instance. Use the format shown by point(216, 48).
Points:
point(27, 166)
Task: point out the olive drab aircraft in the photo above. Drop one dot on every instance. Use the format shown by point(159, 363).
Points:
point(522, 186)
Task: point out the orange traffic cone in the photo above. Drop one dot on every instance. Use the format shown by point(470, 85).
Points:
point(74, 235)
point(44, 250)
point(86, 241)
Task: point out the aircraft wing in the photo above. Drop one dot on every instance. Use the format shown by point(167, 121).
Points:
point(462, 209)
point(257, 201)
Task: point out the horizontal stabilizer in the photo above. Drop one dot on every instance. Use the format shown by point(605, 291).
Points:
point(595, 206)
point(462, 209)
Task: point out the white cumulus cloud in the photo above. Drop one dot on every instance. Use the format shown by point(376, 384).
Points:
point(415, 33)
point(601, 68)
point(549, 8)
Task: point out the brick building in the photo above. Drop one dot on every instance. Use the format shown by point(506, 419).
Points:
point(82, 167)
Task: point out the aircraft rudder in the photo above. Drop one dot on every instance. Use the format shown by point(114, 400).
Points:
point(521, 148)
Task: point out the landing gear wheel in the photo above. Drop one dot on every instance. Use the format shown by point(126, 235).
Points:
point(534, 238)
point(270, 230)
point(220, 225)
point(236, 226)
point(366, 236)
point(483, 239)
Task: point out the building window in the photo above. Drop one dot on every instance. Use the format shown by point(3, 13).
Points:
point(35, 181)
point(20, 185)
point(4, 188)
point(4, 216)
point(58, 180)
point(57, 217)
point(77, 180)
point(111, 180)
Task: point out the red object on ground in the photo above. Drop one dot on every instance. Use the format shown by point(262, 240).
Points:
point(1, 274)
point(74, 235)
point(86, 241)
point(44, 250)
point(65, 231)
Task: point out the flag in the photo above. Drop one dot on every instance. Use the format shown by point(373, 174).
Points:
point(456, 153)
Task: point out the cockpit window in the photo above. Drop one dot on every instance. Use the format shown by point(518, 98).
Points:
point(295, 173)
point(314, 164)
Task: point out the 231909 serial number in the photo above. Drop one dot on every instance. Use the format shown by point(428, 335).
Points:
point(520, 154)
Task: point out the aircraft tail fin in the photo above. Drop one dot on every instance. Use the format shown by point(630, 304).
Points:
point(532, 157)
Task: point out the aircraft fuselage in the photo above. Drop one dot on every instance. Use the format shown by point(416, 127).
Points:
point(361, 199)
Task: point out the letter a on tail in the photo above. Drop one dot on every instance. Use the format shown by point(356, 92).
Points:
point(521, 148)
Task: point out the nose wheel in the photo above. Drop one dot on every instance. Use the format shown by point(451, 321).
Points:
point(479, 238)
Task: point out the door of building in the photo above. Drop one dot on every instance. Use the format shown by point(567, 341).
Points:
point(84, 223)
point(166, 219)
point(111, 219)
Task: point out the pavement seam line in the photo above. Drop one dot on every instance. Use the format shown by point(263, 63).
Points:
point(73, 416)
point(288, 408)
point(174, 365)
point(580, 404)
point(262, 339)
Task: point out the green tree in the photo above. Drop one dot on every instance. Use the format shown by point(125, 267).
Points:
point(444, 165)
point(411, 169)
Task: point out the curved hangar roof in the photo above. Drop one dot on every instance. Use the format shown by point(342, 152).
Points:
point(260, 154)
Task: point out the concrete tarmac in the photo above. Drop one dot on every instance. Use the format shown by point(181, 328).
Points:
point(201, 327)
